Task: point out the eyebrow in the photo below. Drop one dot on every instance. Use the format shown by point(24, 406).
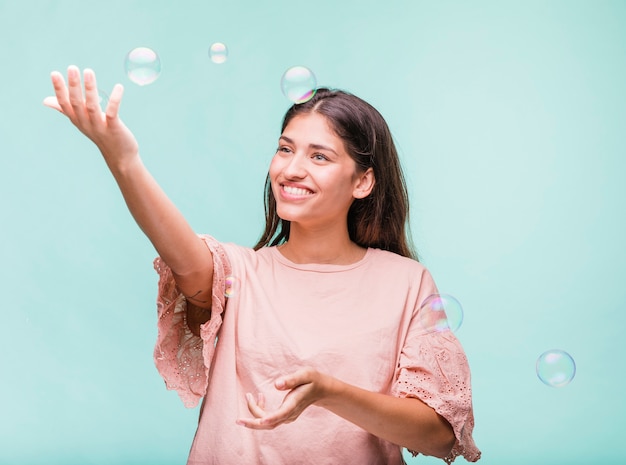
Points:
point(313, 146)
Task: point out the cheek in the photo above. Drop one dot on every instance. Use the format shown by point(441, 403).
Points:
point(274, 171)
point(274, 167)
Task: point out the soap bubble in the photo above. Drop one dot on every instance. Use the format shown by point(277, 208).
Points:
point(218, 52)
point(103, 99)
point(142, 65)
point(232, 286)
point(298, 84)
point(440, 312)
point(556, 368)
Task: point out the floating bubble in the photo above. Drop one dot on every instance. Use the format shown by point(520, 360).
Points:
point(298, 84)
point(218, 53)
point(556, 368)
point(440, 312)
point(232, 286)
point(103, 99)
point(142, 65)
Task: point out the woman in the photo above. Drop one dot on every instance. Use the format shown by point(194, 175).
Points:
point(307, 348)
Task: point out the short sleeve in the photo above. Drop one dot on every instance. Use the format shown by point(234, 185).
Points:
point(433, 368)
point(182, 358)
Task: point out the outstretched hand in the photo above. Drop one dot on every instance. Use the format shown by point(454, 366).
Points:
point(105, 129)
point(306, 387)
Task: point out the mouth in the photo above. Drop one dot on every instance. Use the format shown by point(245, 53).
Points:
point(295, 191)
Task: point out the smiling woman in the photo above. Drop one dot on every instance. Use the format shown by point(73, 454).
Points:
point(317, 355)
point(314, 182)
point(353, 128)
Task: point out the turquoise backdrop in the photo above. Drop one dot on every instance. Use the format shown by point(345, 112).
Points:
point(510, 119)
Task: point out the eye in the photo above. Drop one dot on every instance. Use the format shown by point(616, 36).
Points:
point(319, 157)
point(283, 149)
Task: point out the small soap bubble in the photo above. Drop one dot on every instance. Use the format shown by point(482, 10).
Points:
point(103, 99)
point(218, 53)
point(556, 368)
point(441, 312)
point(298, 84)
point(142, 65)
point(232, 286)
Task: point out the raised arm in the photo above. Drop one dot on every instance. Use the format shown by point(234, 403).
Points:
point(173, 238)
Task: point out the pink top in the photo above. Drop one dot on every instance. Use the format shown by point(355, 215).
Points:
point(355, 322)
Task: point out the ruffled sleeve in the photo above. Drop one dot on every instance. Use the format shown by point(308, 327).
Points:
point(434, 369)
point(182, 358)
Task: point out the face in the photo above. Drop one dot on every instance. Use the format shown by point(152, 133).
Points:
point(314, 180)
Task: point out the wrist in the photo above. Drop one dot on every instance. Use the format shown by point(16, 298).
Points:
point(124, 166)
point(332, 392)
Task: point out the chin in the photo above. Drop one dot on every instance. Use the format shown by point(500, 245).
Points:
point(285, 216)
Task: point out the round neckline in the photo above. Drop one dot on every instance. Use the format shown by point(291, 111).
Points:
point(319, 267)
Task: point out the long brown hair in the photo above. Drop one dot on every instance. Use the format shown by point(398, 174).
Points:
point(379, 220)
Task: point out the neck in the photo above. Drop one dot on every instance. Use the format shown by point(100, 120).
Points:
point(321, 246)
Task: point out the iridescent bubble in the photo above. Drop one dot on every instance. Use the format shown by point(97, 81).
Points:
point(232, 286)
point(142, 65)
point(440, 312)
point(218, 52)
point(298, 84)
point(556, 368)
point(103, 99)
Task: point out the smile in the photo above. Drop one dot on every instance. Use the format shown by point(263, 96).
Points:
point(296, 191)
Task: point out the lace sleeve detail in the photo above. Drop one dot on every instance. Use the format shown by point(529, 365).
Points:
point(182, 358)
point(434, 369)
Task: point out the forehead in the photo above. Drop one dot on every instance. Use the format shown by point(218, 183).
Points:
point(311, 127)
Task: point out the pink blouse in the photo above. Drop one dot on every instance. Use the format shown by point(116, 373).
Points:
point(271, 316)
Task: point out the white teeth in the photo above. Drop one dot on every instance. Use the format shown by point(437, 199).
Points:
point(296, 190)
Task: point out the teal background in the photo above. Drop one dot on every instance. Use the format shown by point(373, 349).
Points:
point(510, 120)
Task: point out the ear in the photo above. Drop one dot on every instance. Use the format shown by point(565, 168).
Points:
point(364, 184)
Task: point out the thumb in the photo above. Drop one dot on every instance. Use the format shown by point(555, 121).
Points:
point(281, 384)
point(293, 380)
point(52, 102)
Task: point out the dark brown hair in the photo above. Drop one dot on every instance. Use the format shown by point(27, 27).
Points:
point(379, 220)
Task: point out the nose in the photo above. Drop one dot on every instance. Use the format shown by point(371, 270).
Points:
point(295, 167)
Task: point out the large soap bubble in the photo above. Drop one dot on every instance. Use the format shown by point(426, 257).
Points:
point(556, 368)
point(142, 65)
point(298, 84)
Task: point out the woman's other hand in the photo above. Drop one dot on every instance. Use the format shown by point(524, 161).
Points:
point(306, 386)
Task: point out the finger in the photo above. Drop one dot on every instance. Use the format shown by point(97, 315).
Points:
point(293, 380)
point(293, 405)
point(267, 422)
point(260, 400)
point(254, 423)
point(281, 384)
point(61, 94)
point(272, 420)
point(115, 100)
point(92, 99)
point(77, 100)
point(52, 102)
point(254, 408)
point(288, 412)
